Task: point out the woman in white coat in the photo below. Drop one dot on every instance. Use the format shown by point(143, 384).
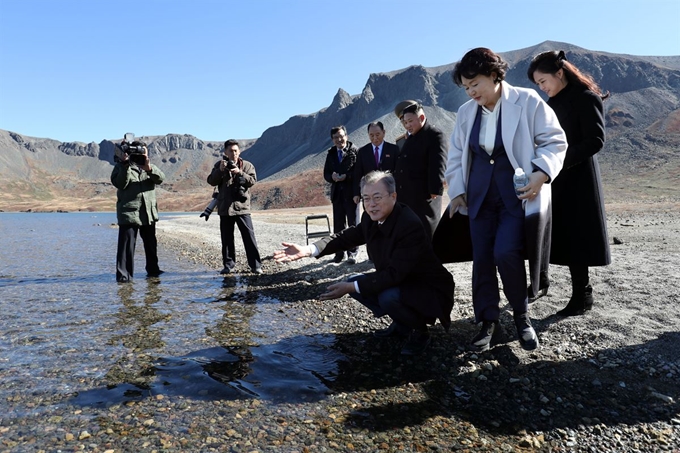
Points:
point(501, 129)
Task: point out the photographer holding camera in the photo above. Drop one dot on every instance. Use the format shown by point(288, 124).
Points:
point(136, 208)
point(234, 177)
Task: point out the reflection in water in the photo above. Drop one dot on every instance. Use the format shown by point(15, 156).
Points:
point(137, 319)
point(67, 328)
point(258, 358)
point(295, 370)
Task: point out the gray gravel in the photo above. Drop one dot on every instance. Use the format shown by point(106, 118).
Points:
point(607, 381)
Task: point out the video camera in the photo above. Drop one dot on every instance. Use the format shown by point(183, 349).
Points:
point(134, 150)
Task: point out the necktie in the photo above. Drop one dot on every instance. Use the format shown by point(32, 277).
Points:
point(339, 155)
point(377, 157)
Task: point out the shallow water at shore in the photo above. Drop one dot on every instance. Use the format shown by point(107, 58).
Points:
point(74, 336)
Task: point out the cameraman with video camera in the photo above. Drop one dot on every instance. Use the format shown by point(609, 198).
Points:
point(234, 177)
point(136, 209)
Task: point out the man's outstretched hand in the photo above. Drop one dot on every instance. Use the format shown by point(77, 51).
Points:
point(291, 252)
point(337, 290)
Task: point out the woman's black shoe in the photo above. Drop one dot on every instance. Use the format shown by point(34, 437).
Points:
point(525, 332)
point(534, 297)
point(581, 301)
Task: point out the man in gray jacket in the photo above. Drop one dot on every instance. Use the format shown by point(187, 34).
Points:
point(136, 209)
point(234, 177)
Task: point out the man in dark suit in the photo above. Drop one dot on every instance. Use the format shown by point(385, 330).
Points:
point(410, 284)
point(339, 172)
point(420, 167)
point(376, 155)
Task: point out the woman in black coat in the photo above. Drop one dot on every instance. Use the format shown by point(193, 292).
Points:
point(579, 231)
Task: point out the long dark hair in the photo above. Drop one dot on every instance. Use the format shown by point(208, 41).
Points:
point(552, 61)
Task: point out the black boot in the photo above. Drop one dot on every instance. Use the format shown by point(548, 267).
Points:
point(534, 296)
point(544, 283)
point(580, 302)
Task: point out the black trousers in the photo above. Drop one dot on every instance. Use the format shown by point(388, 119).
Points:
point(388, 302)
point(125, 257)
point(245, 226)
point(345, 213)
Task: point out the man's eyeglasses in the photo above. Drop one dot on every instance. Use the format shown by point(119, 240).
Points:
point(375, 199)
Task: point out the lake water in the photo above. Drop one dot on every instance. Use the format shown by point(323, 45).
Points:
point(69, 334)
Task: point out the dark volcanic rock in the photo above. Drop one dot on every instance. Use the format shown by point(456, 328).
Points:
point(642, 123)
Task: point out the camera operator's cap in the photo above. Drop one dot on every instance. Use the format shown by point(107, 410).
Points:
point(403, 105)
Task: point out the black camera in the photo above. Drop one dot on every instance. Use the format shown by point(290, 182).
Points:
point(209, 209)
point(134, 150)
point(230, 163)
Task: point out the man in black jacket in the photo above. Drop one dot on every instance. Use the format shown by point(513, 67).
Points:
point(376, 155)
point(234, 177)
point(420, 167)
point(339, 172)
point(409, 284)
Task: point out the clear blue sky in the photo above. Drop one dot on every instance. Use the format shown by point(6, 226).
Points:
point(79, 70)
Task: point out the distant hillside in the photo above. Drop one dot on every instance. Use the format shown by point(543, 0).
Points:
point(639, 162)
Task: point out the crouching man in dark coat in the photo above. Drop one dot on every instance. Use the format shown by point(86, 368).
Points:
point(409, 284)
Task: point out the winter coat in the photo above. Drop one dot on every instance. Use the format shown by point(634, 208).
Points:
point(136, 193)
point(419, 173)
point(234, 191)
point(579, 234)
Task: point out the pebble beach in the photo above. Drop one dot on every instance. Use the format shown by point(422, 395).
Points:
point(607, 381)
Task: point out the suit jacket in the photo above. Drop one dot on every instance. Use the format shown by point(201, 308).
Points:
point(401, 140)
point(341, 190)
point(403, 257)
point(532, 138)
point(579, 220)
point(420, 172)
point(366, 162)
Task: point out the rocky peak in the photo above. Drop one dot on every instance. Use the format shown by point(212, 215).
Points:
point(341, 100)
point(79, 149)
point(173, 142)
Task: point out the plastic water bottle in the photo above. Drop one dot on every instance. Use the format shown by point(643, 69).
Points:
point(520, 179)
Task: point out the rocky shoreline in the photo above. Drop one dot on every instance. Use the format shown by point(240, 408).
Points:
point(607, 381)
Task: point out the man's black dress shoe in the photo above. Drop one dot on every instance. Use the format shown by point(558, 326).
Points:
point(489, 336)
point(417, 342)
point(392, 330)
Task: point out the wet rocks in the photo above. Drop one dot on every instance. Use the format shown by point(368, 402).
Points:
point(607, 381)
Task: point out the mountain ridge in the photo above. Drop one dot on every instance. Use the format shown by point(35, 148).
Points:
point(642, 117)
